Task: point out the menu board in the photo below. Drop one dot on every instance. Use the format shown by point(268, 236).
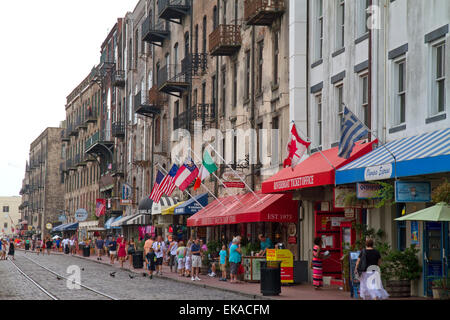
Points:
point(287, 263)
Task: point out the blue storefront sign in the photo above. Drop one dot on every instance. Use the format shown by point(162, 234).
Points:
point(411, 191)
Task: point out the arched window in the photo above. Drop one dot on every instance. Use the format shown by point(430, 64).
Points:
point(186, 44)
point(204, 34)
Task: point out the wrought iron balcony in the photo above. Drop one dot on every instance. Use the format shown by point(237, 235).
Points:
point(181, 121)
point(81, 160)
point(173, 10)
point(72, 129)
point(118, 78)
point(263, 12)
point(81, 123)
point(118, 169)
point(174, 79)
point(155, 33)
point(225, 40)
point(144, 106)
point(118, 129)
point(90, 116)
point(206, 113)
point(195, 64)
point(65, 136)
point(101, 142)
point(70, 165)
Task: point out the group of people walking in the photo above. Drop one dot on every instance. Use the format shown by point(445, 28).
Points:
point(7, 246)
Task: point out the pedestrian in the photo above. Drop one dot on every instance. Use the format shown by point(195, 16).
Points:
point(130, 251)
point(122, 253)
point(2, 246)
point(223, 263)
point(265, 244)
point(38, 246)
point(33, 244)
point(370, 258)
point(99, 244)
point(173, 255)
point(150, 259)
point(317, 261)
point(147, 244)
point(181, 258)
point(235, 259)
point(159, 249)
point(188, 261)
point(196, 260)
point(11, 249)
point(49, 245)
point(58, 243)
point(66, 245)
point(112, 250)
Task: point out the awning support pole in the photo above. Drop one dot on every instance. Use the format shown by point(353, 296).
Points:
point(165, 172)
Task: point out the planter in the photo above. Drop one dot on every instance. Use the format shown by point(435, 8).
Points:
point(441, 294)
point(399, 288)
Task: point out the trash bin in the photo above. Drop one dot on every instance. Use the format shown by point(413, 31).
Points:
point(138, 260)
point(86, 251)
point(270, 278)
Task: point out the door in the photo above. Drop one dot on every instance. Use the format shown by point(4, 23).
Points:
point(436, 252)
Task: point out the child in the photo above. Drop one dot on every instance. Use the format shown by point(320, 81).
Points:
point(150, 259)
point(188, 263)
point(181, 256)
point(223, 261)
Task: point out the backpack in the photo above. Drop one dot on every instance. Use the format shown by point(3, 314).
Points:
point(362, 266)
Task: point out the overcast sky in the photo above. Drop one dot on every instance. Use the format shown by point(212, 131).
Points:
point(47, 48)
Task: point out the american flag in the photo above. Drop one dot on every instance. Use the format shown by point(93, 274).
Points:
point(157, 191)
point(168, 185)
point(100, 207)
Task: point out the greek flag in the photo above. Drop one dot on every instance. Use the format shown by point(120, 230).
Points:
point(352, 130)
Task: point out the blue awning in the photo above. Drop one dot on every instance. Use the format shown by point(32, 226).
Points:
point(58, 228)
point(417, 155)
point(191, 206)
point(69, 227)
point(110, 221)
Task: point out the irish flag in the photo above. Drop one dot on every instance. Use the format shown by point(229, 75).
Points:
point(186, 174)
point(208, 167)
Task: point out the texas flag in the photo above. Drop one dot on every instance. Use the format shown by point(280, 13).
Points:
point(186, 174)
point(296, 149)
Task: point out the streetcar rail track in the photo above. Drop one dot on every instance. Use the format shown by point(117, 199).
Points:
point(58, 275)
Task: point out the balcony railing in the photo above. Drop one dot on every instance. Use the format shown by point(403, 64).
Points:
point(71, 129)
point(118, 129)
point(118, 78)
point(65, 135)
point(90, 116)
point(174, 78)
point(117, 169)
point(181, 121)
point(173, 10)
point(80, 123)
point(263, 12)
point(206, 113)
point(225, 40)
point(102, 137)
point(155, 33)
point(144, 106)
point(195, 64)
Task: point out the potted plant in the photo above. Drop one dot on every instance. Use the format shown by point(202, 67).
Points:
point(441, 289)
point(398, 269)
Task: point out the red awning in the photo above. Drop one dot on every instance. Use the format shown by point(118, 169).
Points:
point(272, 208)
point(314, 171)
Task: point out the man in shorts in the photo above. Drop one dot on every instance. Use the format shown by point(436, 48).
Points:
point(112, 250)
point(2, 250)
point(196, 260)
point(159, 247)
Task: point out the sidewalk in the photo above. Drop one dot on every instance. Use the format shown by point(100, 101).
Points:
point(294, 292)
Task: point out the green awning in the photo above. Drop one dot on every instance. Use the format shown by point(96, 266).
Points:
point(439, 212)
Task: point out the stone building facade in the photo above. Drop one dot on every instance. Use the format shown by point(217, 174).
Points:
point(10, 215)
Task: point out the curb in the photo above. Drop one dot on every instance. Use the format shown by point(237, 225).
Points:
point(253, 296)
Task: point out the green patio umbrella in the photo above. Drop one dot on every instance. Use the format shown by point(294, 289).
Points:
point(438, 213)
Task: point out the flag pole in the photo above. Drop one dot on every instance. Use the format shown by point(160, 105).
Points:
point(254, 194)
point(316, 147)
point(383, 145)
point(165, 172)
point(178, 159)
point(214, 174)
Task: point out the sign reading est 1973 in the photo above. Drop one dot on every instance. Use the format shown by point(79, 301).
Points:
point(412, 191)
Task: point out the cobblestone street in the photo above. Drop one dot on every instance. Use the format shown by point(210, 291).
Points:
point(14, 286)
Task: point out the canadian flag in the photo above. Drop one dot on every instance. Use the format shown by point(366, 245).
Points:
point(296, 149)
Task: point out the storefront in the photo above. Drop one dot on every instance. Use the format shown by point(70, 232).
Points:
point(110, 230)
point(162, 222)
point(246, 216)
point(89, 230)
point(185, 210)
point(413, 166)
point(312, 181)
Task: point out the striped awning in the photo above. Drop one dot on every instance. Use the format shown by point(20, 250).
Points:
point(122, 221)
point(139, 220)
point(164, 203)
point(170, 210)
point(422, 154)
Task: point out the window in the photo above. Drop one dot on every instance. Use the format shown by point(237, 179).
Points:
point(196, 39)
point(400, 92)
point(224, 6)
point(275, 140)
point(364, 16)
point(340, 23)
point(5, 208)
point(215, 16)
point(365, 98)
point(247, 75)
point(136, 48)
point(5, 225)
point(235, 73)
point(260, 66)
point(236, 9)
point(157, 131)
point(175, 61)
point(319, 119)
point(204, 35)
point(319, 29)
point(438, 84)
point(340, 109)
point(213, 90)
point(224, 90)
point(276, 53)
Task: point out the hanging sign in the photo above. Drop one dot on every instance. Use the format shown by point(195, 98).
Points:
point(49, 226)
point(81, 215)
point(381, 172)
point(127, 194)
point(234, 184)
point(412, 191)
point(367, 190)
point(415, 232)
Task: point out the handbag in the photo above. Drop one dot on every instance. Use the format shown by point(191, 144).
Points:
point(241, 269)
point(362, 266)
